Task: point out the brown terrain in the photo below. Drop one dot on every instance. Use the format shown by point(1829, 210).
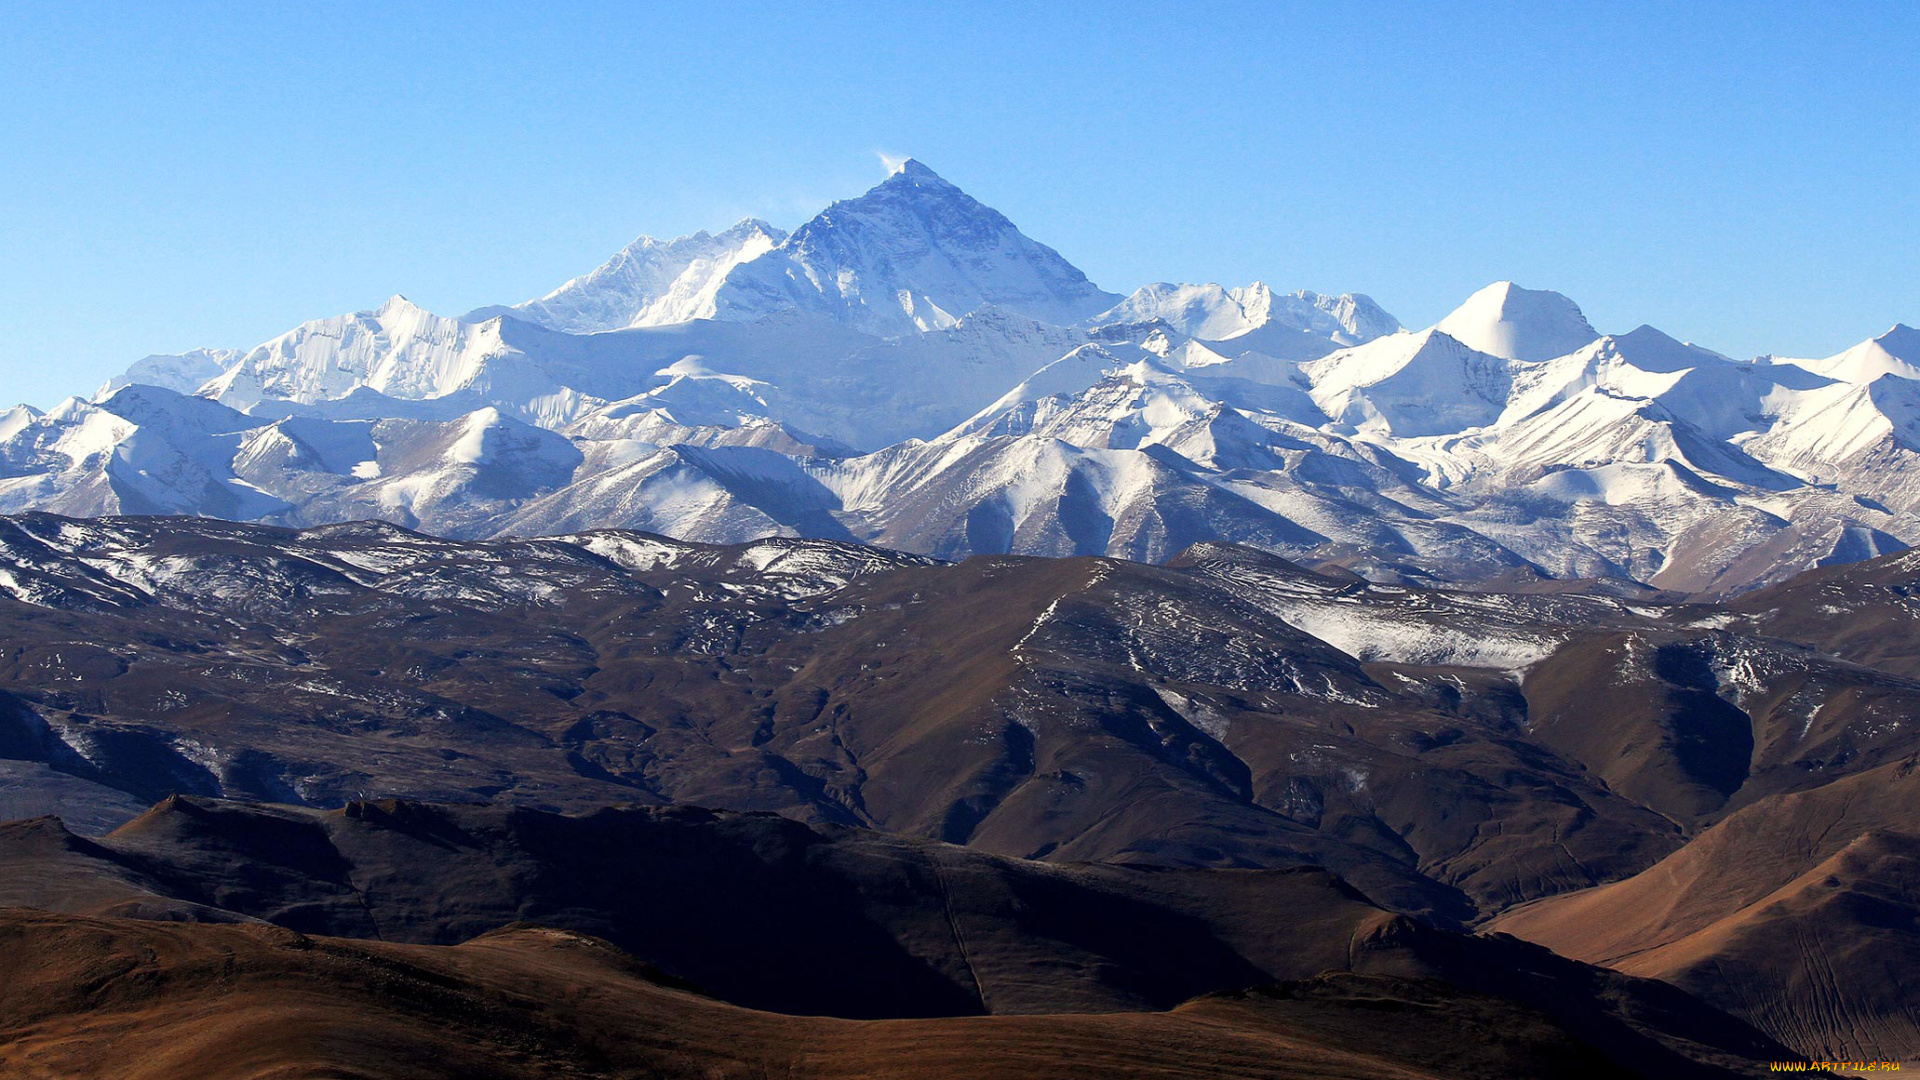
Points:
point(1012, 787)
point(1800, 914)
point(167, 1001)
point(1287, 969)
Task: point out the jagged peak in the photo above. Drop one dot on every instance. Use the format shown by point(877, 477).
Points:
point(1141, 331)
point(72, 408)
point(398, 304)
point(748, 226)
point(739, 230)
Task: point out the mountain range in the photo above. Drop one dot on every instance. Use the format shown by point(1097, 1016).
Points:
point(908, 369)
point(363, 732)
point(876, 650)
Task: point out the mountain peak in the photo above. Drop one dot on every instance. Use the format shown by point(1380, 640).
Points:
point(1508, 321)
point(648, 282)
point(1647, 332)
point(912, 178)
point(1651, 349)
point(914, 169)
point(753, 226)
point(1412, 384)
point(1896, 352)
point(1301, 325)
point(912, 254)
point(1902, 341)
point(13, 420)
point(1648, 336)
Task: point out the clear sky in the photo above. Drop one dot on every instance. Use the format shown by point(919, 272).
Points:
point(1746, 175)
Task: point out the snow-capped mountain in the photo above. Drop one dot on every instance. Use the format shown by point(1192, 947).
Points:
point(397, 349)
point(915, 253)
point(1253, 318)
point(907, 368)
point(1411, 384)
point(650, 282)
point(184, 372)
point(1896, 352)
point(1860, 432)
point(1504, 319)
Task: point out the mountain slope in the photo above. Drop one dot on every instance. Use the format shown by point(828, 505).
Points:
point(648, 282)
point(1552, 760)
point(218, 1002)
point(909, 368)
point(915, 253)
point(183, 373)
point(1227, 709)
point(1763, 912)
point(769, 914)
point(1253, 318)
point(1508, 321)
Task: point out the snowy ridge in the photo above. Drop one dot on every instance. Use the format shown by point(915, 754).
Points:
point(650, 282)
point(915, 253)
point(1253, 318)
point(907, 368)
point(184, 372)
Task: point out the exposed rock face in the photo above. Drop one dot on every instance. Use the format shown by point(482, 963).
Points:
point(1554, 760)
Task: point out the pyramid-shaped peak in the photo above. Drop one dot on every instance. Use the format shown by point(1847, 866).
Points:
point(1371, 362)
point(1509, 321)
point(915, 169)
point(1902, 341)
point(1652, 349)
point(1651, 340)
point(397, 305)
point(912, 254)
point(912, 176)
point(1649, 334)
point(1896, 352)
point(71, 409)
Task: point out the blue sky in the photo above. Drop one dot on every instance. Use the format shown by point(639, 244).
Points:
point(1746, 175)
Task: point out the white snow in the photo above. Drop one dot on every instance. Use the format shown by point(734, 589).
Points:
point(908, 368)
point(1506, 320)
point(472, 447)
point(652, 282)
